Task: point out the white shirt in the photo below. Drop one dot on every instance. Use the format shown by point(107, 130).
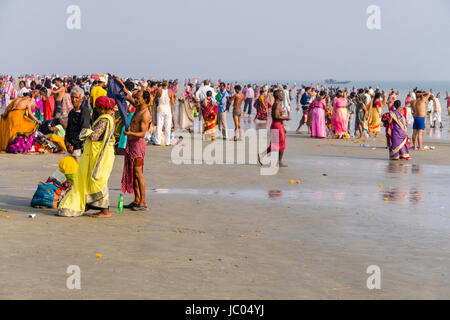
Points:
point(201, 92)
point(22, 91)
point(435, 105)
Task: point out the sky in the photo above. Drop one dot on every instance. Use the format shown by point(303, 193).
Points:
point(233, 39)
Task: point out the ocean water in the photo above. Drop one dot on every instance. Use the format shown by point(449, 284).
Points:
point(402, 86)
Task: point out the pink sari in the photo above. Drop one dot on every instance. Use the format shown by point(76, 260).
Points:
point(340, 118)
point(318, 125)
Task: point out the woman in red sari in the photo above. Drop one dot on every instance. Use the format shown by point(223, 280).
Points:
point(209, 113)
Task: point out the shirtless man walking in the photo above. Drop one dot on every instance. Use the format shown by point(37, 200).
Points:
point(133, 169)
point(59, 96)
point(277, 127)
point(236, 99)
point(419, 113)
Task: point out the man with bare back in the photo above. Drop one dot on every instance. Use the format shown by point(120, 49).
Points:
point(133, 170)
point(59, 96)
point(236, 99)
point(419, 113)
point(277, 130)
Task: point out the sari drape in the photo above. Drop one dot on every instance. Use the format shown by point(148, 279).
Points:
point(90, 185)
point(374, 120)
point(261, 108)
point(399, 137)
point(209, 113)
point(318, 122)
point(14, 123)
point(186, 113)
point(340, 121)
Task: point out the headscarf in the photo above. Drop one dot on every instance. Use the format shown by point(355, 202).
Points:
point(105, 103)
point(187, 93)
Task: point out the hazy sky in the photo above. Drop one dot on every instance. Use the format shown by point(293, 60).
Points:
point(232, 39)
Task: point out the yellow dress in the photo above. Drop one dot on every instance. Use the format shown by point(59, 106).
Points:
point(90, 184)
point(374, 120)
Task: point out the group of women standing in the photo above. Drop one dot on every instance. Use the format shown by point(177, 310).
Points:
point(330, 117)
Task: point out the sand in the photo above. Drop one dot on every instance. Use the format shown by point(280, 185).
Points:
point(226, 232)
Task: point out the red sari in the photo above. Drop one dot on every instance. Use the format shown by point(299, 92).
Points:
point(261, 107)
point(49, 107)
point(209, 113)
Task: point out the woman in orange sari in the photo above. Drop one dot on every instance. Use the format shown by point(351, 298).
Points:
point(18, 126)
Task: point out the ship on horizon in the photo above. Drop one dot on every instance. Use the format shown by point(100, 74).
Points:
point(334, 81)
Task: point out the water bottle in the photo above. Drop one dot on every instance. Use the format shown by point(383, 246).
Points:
point(120, 205)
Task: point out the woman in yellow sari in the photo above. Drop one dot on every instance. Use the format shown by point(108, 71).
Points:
point(374, 120)
point(90, 187)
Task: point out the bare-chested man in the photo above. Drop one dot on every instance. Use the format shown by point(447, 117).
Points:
point(59, 96)
point(236, 99)
point(133, 170)
point(277, 130)
point(419, 113)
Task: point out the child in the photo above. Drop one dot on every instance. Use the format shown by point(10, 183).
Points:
point(57, 128)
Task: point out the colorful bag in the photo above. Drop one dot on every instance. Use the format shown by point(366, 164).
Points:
point(46, 195)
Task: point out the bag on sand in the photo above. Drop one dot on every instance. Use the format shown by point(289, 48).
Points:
point(47, 195)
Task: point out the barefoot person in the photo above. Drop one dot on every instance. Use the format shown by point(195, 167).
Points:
point(90, 188)
point(133, 170)
point(436, 115)
point(277, 125)
point(305, 101)
point(166, 101)
point(398, 133)
point(237, 100)
point(419, 113)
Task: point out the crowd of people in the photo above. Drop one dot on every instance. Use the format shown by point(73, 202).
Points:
point(92, 118)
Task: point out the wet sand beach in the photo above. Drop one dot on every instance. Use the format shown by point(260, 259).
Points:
point(226, 232)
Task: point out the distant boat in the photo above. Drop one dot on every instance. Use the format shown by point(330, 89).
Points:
point(334, 81)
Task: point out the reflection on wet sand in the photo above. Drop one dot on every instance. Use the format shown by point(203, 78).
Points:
point(273, 194)
point(403, 168)
point(399, 195)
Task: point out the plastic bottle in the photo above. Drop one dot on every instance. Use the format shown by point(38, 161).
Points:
point(120, 205)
